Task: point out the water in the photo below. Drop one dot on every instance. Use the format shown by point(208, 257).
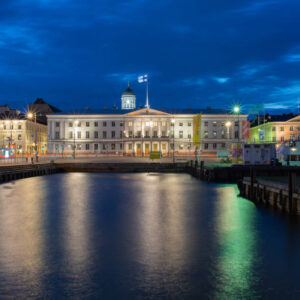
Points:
point(142, 236)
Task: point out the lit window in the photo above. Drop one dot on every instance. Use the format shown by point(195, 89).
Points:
point(130, 123)
point(214, 123)
point(163, 123)
point(180, 124)
point(189, 123)
point(206, 123)
point(292, 128)
point(180, 134)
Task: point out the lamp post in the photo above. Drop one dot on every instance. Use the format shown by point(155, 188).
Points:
point(151, 134)
point(173, 125)
point(32, 115)
point(228, 124)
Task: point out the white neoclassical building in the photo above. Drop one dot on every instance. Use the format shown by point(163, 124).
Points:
point(138, 132)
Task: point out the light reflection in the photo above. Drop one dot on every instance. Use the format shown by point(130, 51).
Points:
point(21, 234)
point(75, 215)
point(237, 245)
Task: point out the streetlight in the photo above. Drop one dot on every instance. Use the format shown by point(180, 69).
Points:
point(173, 124)
point(31, 115)
point(151, 125)
point(228, 124)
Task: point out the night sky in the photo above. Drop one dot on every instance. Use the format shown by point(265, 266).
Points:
point(77, 53)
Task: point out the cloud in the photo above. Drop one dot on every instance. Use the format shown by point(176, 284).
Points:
point(292, 58)
point(221, 80)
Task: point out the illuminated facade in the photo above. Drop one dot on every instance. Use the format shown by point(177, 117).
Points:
point(18, 135)
point(138, 132)
point(128, 99)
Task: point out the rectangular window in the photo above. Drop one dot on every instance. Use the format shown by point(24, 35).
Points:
point(291, 128)
point(113, 146)
point(139, 134)
point(206, 134)
point(121, 146)
point(189, 124)
point(223, 145)
point(206, 146)
point(57, 124)
point(95, 147)
point(19, 126)
point(214, 134)
point(70, 124)
point(130, 134)
point(104, 124)
point(70, 135)
point(87, 124)
point(223, 134)
point(164, 147)
point(113, 124)
point(214, 146)
point(282, 138)
point(95, 134)
point(87, 146)
point(155, 133)
point(236, 123)
point(121, 123)
point(78, 146)
point(282, 128)
point(214, 123)
point(223, 124)
point(104, 134)
point(181, 146)
point(129, 146)
point(146, 133)
point(274, 139)
point(130, 124)
point(4, 127)
point(236, 134)
point(79, 134)
point(189, 135)
point(113, 134)
point(180, 124)
point(19, 137)
point(206, 123)
point(96, 125)
point(163, 133)
point(180, 134)
point(87, 134)
point(57, 134)
point(273, 128)
point(104, 146)
point(163, 123)
point(121, 134)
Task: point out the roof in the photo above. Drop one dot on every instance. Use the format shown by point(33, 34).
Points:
point(128, 91)
point(130, 111)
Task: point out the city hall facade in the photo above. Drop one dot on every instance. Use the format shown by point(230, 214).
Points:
point(136, 132)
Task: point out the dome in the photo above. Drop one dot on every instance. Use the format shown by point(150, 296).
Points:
point(128, 91)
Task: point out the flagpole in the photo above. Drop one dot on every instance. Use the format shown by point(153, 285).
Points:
point(147, 100)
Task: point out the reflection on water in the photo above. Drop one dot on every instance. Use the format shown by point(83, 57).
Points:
point(154, 236)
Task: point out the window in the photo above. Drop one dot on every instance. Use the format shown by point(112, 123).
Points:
point(180, 134)
point(129, 146)
point(223, 145)
point(78, 146)
point(87, 146)
point(155, 133)
point(19, 126)
point(4, 127)
point(236, 134)
point(130, 123)
point(291, 128)
point(57, 134)
point(113, 134)
point(130, 133)
point(87, 134)
point(57, 124)
point(282, 128)
point(189, 135)
point(95, 147)
point(121, 146)
point(163, 133)
point(163, 123)
point(121, 134)
point(282, 138)
point(164, 147)
point(298, 128)
point(121, 123)
point(206, 134)
point(79, 134)
point(95, 134)
point(104, 124)
point(214, 146)
point(113, 124)
point(79, 124)
point(87, 124)
point(273, 128)
point(189, 124)
point(274, 139)
point(113, 146)
point(214, 123)
point(104, 146)
point(19, 137)
point(172, 146)
point(146, 133)
point(147, 124)
point(104, 134)
point(70, 135)
point(206, 146)
point(70, 124)
point(139, 134)
point(180, 124)
point(96, 125)
point(223, 134)
point(214, 133)
point(155, 123)
point(181, 146)
point(206, 123)
point(292, 137)
point(236, 123)
point(223, 124)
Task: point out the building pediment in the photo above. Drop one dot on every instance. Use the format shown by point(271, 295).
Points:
point(147, 111)
point(295, 119)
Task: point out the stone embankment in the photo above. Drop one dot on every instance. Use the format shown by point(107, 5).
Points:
point(8, 173)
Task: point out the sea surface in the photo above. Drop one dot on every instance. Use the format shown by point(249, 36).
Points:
point(142, 236)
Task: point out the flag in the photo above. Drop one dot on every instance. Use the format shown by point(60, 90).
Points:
point(143, 78)
point(245, 129)
point(256, 108)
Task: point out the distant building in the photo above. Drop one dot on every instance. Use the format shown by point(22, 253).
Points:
point(276, 129)
point(6, 111)
point(42, 108)
point(128, 99)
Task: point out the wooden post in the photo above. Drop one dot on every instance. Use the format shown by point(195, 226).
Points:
point(292, 188)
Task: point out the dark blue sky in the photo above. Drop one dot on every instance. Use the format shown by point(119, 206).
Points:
point(77, 53)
